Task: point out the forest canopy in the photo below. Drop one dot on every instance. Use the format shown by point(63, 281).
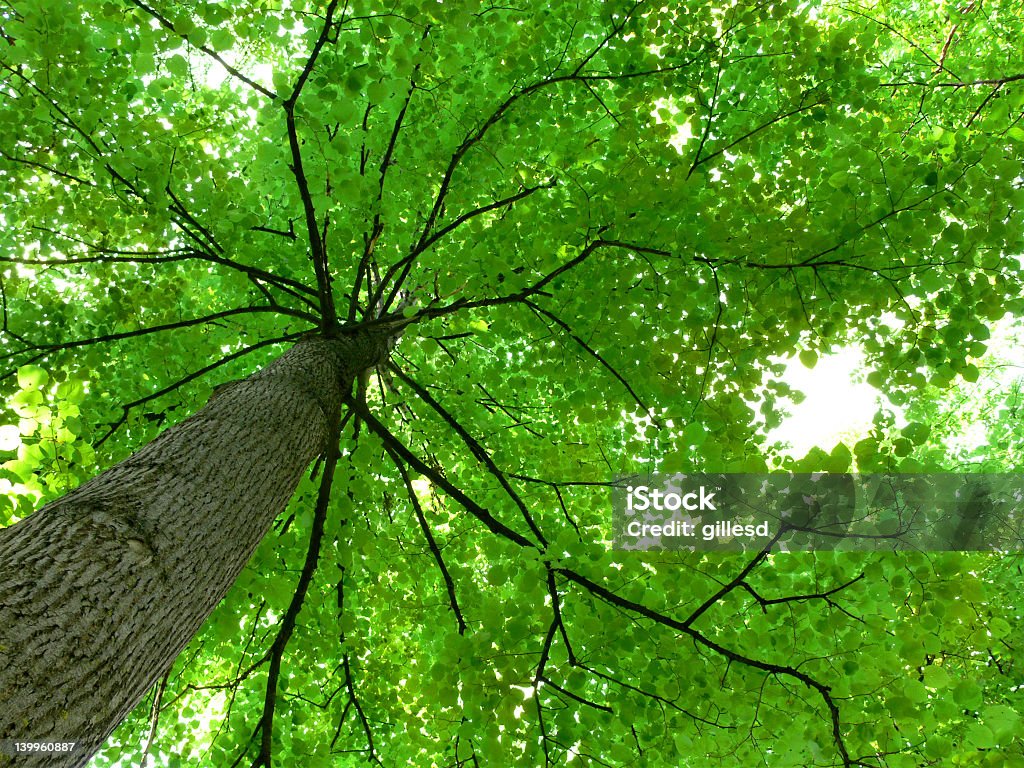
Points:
point(595, 235)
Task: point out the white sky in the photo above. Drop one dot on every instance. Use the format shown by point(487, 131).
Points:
point(839, 404)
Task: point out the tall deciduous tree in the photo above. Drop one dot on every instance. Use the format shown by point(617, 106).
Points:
point(519, 250)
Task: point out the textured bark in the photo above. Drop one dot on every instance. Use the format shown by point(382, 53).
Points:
point(101, 589)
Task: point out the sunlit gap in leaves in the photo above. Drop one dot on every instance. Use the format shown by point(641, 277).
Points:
point(827, 400)
point(205, 713)
point(215, 75)
point(977, 420)
point(973, 421)
point(838, 405)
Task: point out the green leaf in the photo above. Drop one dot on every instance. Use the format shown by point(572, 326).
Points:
point(177, 66)
point(916, 432)
point(222, 40)
point(32, 377)
point(809, 358)
point(936, 677)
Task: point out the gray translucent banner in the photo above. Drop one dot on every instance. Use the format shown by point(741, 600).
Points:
point(803, 512)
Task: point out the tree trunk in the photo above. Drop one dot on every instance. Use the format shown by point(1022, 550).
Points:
point(101, 589)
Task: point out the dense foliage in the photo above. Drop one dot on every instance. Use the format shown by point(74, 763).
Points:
point(606, 223)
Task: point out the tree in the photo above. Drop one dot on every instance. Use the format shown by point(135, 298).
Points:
point(519, 251)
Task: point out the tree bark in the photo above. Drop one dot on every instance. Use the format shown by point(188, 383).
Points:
point(101, 589)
